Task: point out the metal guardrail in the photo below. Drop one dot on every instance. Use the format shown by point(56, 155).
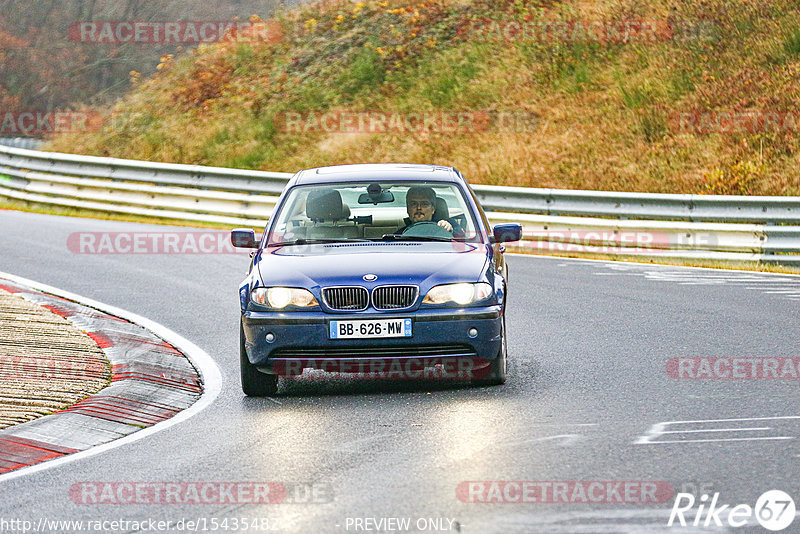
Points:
point(21, 142)
point(162, 190)
point(648, 206)
point(194, 176)
point(724, 228)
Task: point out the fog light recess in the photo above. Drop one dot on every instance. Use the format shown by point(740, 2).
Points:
point(270, 337)
point(473, 332)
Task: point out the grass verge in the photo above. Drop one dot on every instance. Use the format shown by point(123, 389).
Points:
point(600, 115)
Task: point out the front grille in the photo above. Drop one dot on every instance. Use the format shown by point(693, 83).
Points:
point(354, 352)
point(346, 298)
point(394, 297)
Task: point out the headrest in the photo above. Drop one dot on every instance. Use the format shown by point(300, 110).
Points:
point(440, 212)
point(326, 205)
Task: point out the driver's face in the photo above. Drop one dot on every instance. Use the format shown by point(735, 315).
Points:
point(419, 208)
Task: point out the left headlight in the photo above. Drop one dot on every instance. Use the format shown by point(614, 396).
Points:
point(281, 297)
point(459, 293)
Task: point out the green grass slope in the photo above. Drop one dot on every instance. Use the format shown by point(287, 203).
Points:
point(605, 112)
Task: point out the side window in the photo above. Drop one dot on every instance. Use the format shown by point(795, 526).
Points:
point(451, 201)
point(479, 210)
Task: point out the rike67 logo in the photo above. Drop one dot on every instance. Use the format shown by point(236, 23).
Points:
point(774, 510)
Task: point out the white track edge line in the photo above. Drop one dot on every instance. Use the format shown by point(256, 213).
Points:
point(655, 265)
point(208, 369)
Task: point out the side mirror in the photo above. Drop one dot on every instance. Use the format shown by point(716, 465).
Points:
point(244, 238)
point(503, 233)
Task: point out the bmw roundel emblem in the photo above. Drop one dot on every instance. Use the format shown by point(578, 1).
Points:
point(370, 277)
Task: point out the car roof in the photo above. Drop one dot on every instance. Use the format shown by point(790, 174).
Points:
point(376, 171)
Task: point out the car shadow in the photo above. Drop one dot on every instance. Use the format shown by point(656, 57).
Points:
point(526, 375)
point(320, 383)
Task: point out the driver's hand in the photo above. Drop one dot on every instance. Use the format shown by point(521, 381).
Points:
point(446, 225)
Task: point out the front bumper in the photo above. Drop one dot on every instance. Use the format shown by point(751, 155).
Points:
point(301, 340)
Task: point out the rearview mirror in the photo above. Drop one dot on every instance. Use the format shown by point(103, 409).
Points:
point(503, 233)
point(375, 195)
point(244, 238)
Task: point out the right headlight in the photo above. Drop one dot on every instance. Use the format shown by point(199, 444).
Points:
point(281, 297)
point(459, 293)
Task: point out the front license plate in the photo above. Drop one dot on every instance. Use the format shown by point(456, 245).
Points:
point(372, 328)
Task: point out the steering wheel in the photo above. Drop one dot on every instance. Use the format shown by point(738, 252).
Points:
point(427, 229)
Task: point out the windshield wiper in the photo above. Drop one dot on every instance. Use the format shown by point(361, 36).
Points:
point(316, 241)
point(398, 237)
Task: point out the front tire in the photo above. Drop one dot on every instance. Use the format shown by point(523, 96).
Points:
point(497, 369)
point(254, 382)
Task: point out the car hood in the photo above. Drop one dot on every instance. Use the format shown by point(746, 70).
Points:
point(424, 264)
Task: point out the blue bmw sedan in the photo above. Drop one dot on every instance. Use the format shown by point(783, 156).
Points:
point(381, 270)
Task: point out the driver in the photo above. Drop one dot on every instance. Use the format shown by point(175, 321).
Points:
point(420, 204)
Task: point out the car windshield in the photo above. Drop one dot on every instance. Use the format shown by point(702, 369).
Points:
point(359, 211)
